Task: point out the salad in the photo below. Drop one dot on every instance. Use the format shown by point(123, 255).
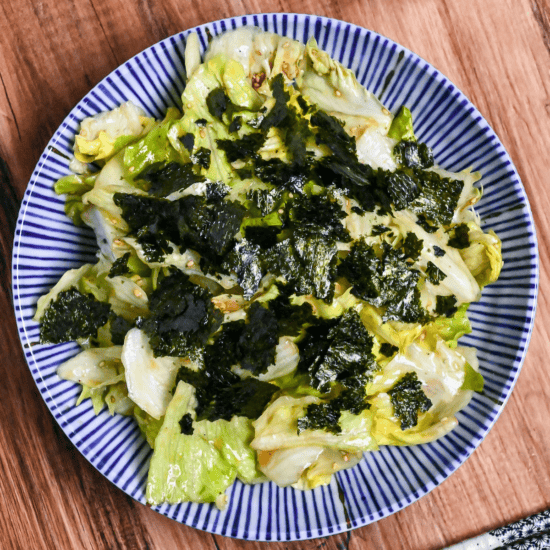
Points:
point(283, 273)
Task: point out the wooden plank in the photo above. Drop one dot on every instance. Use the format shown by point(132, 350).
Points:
point(53, 52)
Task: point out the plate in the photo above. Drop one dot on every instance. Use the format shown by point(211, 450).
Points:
point(47, 244)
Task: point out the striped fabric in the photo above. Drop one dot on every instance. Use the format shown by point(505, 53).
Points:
point(47, 244)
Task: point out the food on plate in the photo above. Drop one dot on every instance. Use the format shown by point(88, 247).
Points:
point(283, 273)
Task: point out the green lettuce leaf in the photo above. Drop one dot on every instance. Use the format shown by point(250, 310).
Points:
point(74, 186)
point(149, 426)
point(473, 380)
point(232, 439)
point(278, 428)
point(450, 329)
point(402, 126)
point(117, 399)
point(150, 379)
point(335, 89)
point(154, 147)
point(308, 459)
point(484, 256)
point(100, 372)
point(105, 134)
point(198, 467)
point(442, 374)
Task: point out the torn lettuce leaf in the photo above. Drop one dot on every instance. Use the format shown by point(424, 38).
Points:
point(74, 186)
point(149, 426)
point(450, 329)
point(261, 54)
point(101, 374)
point(185, 467)
point(277, 428)
point(401, 128)
point(473, 380)
point(149, 379)
point(483, 255)
point(323, 77)
point(309, 459)
point(105, 134)
point(154, 147)
point(198, 467)
point(441, 373)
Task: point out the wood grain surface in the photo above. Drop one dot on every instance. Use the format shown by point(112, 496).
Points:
point(53, 51)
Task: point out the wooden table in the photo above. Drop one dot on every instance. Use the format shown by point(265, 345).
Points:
point(53, 51)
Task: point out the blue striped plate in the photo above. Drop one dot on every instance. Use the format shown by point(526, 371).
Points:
point(47, 244)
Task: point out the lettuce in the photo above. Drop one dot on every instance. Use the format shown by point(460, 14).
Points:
point(450, 329)
point(96, 367)
point(74, 186)
point(199, 122)
point(335, 89)
point(484, 256)
point(473, 380)
point(261, 54)
point(198, 467)
point(277, 428)
point(192, 54)
point(442, 374)
point(393, 332)
point(117, 400)
point(100, 372)
point(459, 280)
point(185, 467)
point(149, 426)
point(286, 360)
point(375, 149)
point(387, 429)
point(238, 87)
point(232, 439)
point(105, 134)
point(310, 458)
point(154, 147)
point(149, 379)
point(326, 310)
point(402, 126)
point(127, 298)
point(102, 215)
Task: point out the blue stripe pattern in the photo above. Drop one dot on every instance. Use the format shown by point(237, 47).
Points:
point(46, 245)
